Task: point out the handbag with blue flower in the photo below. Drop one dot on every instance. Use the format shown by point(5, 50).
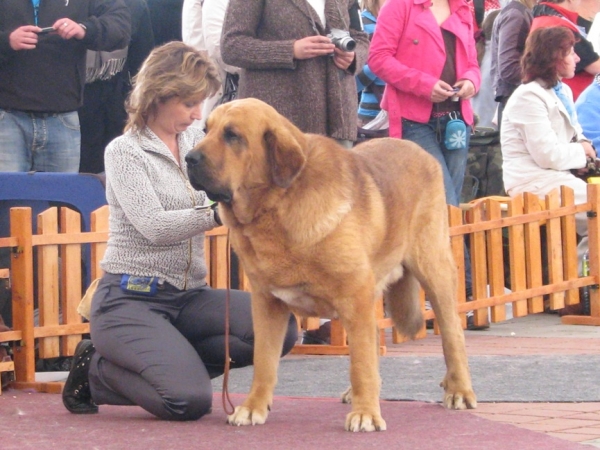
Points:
point(455, 137)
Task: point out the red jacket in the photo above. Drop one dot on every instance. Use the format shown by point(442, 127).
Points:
point(408, 53)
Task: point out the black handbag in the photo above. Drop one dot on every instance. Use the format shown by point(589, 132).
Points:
point(230, 89)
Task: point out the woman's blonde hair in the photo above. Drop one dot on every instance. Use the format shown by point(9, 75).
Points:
point(171, 70)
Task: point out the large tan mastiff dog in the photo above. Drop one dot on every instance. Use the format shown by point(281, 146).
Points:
point(323, 231)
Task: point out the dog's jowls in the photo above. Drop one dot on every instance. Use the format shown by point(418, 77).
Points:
point(323, 231)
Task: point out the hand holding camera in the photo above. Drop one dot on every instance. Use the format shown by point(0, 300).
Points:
point(342, 59)
point(313, 46)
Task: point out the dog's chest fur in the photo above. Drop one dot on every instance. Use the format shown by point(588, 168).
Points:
point(303, 304)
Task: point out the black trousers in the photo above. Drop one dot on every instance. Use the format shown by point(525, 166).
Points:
point(161, 352)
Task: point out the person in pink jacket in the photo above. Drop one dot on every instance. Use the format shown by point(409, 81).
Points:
point(425, 52)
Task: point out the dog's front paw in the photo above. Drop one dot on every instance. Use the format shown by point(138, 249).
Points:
point(243, 416)
point(356, 421)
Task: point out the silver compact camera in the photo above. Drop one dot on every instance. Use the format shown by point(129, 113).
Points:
point(342, 40)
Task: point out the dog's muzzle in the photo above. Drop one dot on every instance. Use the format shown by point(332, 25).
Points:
point(200, 179)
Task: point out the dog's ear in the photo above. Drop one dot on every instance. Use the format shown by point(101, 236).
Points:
point(284, 155)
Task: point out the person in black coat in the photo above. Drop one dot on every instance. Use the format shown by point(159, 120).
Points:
point(108, 82)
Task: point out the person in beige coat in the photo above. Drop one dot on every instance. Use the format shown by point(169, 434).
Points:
point(288, 61)
point(541, 138)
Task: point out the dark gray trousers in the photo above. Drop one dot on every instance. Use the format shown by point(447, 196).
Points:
point(160, 352)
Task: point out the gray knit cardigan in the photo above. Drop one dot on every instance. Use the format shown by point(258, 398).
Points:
point(154, 230)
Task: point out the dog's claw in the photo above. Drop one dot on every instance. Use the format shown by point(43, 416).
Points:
point(364, 422)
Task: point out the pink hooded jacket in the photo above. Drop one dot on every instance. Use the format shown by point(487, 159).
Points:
point(408, 53)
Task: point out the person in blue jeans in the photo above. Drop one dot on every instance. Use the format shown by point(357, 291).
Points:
point(425, 53)
point(42, 74)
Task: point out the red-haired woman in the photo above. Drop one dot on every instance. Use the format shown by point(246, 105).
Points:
point(542, 140)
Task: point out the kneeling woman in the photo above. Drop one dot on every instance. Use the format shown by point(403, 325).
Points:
point(158, 330)
point(541, 138)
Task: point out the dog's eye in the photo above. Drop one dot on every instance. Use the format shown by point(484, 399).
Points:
point(229, 135)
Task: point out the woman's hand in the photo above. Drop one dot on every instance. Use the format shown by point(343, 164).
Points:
point(441, 91)
point(590, 156)
point(313, 46)
point(467, 89)
point(589, 150)
point(342, 59)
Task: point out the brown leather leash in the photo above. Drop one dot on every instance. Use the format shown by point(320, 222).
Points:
point(227, 403)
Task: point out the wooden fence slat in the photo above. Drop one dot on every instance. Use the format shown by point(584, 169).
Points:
point(220, 262)
point(22, 293)
point(495, 261)
point(554, 248)
point(478, 257)
point(593, 193)
point(516, 252)
point(98, 222)
point(569, 245)
point(71, 279)
point(48, 283)
point(533, 245)
point(456, 218)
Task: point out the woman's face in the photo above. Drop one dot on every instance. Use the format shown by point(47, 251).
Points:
point(566, 66)
point(175, 116)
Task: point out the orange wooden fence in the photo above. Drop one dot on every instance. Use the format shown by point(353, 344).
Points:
point(496, 229)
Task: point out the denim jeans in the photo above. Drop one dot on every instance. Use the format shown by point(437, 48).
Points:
point(430, 136)
point(42, 142)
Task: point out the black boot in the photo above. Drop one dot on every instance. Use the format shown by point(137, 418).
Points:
point(76, 394)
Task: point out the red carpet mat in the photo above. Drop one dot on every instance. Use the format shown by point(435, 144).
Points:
point(39, 421)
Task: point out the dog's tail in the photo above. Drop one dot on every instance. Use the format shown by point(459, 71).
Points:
point(402, 304)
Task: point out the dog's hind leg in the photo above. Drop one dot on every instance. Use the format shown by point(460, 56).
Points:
point(402, 304)
point(436, 272)
point(270, 321)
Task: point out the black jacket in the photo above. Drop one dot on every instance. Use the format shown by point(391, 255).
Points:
point(51, 77)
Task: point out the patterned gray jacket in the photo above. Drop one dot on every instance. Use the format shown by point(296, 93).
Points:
point(154, 229)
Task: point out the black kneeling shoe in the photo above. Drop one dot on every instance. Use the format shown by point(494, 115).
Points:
point(76, 394)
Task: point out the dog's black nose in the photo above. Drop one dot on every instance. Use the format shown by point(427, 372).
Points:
point(193, 158)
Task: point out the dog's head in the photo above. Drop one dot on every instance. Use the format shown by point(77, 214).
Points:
point(249, 151)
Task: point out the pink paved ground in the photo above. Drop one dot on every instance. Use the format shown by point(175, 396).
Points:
point(39, 421)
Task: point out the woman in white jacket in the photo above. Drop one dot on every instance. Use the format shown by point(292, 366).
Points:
point(541, 138)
